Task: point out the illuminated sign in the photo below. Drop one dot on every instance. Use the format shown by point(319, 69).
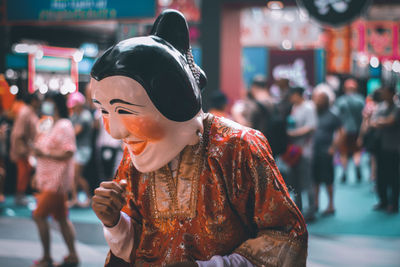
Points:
point(53, 64)
point(66, 10)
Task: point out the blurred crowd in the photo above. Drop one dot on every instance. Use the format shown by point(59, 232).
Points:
point(95, 158)
point(55, 147)
point(311, 131)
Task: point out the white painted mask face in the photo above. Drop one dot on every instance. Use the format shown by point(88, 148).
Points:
point(128, 114)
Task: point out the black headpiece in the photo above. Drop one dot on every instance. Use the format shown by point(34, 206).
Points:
point(162, 63)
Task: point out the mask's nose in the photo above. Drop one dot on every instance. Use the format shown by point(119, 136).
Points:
point(117, 128)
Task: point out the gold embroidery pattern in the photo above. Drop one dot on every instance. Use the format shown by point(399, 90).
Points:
point(169, 199)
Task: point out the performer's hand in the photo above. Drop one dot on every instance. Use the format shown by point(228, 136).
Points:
point(108, 201)
point(183, 264)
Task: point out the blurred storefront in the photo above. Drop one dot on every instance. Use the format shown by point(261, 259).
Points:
point(52, 44)
point(281, 43)
point(367, 48)
point(305, 41)
point(231, 39)
point(75, 32)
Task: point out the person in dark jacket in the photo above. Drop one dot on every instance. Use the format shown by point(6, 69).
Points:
point(387, 122)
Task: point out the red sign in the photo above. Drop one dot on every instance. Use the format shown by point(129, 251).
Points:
point(378, 38)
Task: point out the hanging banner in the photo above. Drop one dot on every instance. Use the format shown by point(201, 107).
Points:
point(67, 10)
point(334, 12)
point(265, 27)
point(338, 50)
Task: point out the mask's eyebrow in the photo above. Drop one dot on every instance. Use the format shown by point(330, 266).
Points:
point(96, 101)
point(113, 101)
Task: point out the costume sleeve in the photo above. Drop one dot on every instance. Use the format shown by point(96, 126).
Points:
point(120, 237)
point(118, 254)
point(279, 228)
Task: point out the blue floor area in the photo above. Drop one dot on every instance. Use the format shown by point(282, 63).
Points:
point(354, 214)
point(354, 208)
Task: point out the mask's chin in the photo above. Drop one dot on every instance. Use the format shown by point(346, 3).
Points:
point(155, 156)
point(158, 154)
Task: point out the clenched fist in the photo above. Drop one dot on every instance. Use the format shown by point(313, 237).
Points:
point(108, 201)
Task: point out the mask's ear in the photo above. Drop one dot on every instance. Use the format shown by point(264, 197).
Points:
point(171, 26)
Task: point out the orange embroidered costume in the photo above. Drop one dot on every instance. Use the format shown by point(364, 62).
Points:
point(229, 197)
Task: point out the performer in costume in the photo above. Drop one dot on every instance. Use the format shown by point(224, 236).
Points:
point(192, 189)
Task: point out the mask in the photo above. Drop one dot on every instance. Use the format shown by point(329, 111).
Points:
point(129, 114)
point(48, 108)
point(148, 89)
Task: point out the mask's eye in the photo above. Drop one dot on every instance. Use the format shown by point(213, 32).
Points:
point(123, 111)
point(103, 111)
point(126, 111)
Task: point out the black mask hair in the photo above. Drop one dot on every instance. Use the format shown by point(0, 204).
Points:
point(162, 63)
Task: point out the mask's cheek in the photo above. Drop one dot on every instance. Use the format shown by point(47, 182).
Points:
point(144, 127)
point(106, 123)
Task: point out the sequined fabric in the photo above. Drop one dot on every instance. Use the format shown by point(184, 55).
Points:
point(228, 197)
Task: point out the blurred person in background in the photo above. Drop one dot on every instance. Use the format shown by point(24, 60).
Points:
point(368, 138)
point(246, 110)
point(284, 103)
point(241, 110)
point(350, 107)
point(324, 146)
point(387, 122)
point(302, 124)
point(83, 122)
point(218, 104)
point(54, 149)
point(261, 103)
point(266, 116)
point(22, 136)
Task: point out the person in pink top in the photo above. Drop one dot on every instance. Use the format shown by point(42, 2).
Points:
point(54, 148)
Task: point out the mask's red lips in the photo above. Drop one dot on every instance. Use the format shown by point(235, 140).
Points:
point(136, 147)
